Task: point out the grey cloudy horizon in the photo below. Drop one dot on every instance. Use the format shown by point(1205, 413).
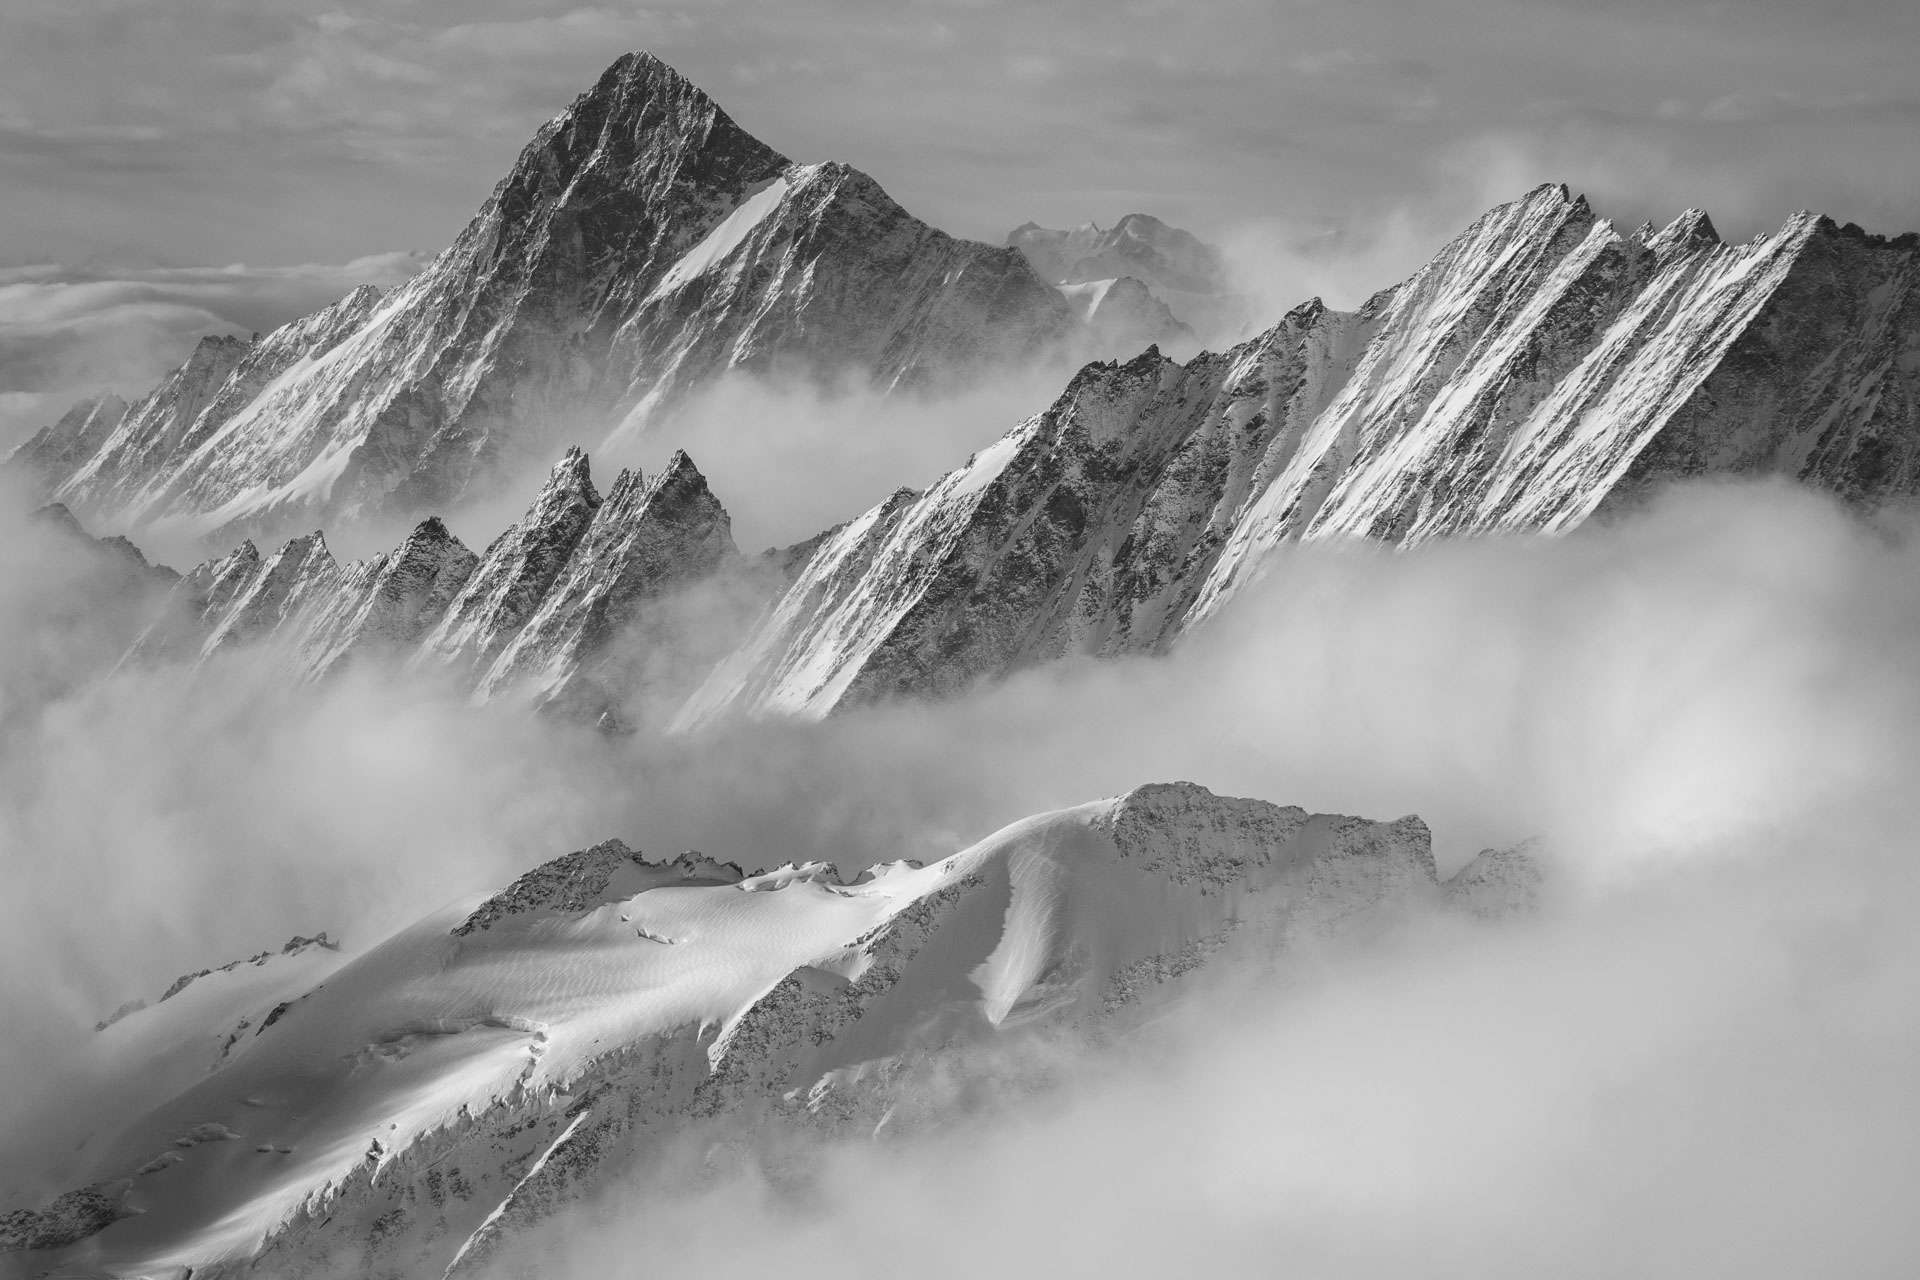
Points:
point(1331, 147)
point(214, 131)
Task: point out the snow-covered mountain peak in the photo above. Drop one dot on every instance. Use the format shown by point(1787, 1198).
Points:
point(1693, 229)
point(641, 246)
point(415, 1107)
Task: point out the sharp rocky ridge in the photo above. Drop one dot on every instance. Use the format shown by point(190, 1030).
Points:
point(1542, 368)
point(553, 611)
point(642, 245)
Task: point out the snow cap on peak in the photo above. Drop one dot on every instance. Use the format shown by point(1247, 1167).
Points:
point(1692, 229)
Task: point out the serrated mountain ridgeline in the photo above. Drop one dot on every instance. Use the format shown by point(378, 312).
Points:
point(1544, 367)
point(553, 611)
point(642, 245)
point(414, 1108)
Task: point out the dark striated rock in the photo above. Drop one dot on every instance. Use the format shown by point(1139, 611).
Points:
point(1542, 368)
point(647, 539)
point(642, 245)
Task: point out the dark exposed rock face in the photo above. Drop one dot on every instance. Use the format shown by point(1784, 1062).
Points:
point(648, 538)
point(577, 882)
point(641, 245)
point(1542, 368)
point(563, 609)
point(69, 1219)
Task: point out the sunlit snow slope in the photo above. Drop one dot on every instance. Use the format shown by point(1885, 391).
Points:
point(1542, 368)
point(642, 245)
point(427, 1099)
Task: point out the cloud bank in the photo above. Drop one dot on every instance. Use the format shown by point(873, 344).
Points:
point(70, 332)
point(273, 132)
point(1708, 711)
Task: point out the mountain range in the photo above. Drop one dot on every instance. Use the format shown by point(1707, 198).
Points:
point(421, 1105)
point(1542, 369)
point(642, 245)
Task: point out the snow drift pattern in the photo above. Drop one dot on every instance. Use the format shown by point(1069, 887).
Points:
point(410, 1108)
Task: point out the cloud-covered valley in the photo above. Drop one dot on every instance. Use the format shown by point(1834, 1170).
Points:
point(1707, 710)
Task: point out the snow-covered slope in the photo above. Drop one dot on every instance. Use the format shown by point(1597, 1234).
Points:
point(642, 244)
point(411, 1112)
point(1541, 368)
point(62, 447)
point(554, 612)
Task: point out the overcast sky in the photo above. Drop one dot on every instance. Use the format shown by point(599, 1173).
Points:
point(208, 131)
point(188, 133)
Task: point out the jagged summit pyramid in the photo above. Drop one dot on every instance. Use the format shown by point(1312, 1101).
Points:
point(642, 245)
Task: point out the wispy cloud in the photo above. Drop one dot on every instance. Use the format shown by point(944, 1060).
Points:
point(68, 332)
point(279, 133)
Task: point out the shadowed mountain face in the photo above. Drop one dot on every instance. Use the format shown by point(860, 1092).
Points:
point(1542, 368)
point(642, 245)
